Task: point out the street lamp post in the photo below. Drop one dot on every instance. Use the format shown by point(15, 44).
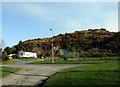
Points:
point(52, 46)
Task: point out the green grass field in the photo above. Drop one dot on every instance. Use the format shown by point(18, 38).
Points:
point(8, 62)
point(5, 71)
point(106, 73)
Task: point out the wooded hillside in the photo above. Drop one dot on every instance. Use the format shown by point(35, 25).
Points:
point(91, 42)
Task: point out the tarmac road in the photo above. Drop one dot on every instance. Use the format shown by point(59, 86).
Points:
point(33, 74)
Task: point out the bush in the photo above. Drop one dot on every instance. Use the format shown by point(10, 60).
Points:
point(69, 54)
point(15, 56)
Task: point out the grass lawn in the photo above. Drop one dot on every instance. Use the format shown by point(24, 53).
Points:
point(5, 71)
point(98, 74)
point(8, 62)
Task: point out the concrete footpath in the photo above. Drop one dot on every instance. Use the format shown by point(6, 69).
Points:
point(33, 74)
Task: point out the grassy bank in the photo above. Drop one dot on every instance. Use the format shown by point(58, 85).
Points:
point(98, 74)
point(65, 62)
point(75, 60)
point(5, 71)
point(30, 59)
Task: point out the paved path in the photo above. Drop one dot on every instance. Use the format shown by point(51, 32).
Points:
point(33, 74)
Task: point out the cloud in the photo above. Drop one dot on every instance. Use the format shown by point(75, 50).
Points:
point(41, 11)
point(35, 18)
point(71, 15)
point(72, 25)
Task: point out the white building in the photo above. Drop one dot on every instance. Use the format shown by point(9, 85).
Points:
point(23, 54)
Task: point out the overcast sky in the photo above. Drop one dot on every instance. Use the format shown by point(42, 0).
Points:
point(23, 21)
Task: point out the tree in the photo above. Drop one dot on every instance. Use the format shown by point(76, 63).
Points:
point(39, 51)
point(5, 56)
point(7, 50)
point(65, 54)
point(20, 42)
point(103, 29)
point(0, 53)
point(15, 56)
point(11, 50)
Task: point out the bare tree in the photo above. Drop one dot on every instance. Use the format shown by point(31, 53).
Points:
point(2, 44)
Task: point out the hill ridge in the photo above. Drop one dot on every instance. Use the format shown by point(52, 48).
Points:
point(78, 41)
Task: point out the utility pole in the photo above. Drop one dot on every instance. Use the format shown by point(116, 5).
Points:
point(52, 46)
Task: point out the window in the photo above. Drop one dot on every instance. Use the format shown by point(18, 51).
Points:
point(21, 53)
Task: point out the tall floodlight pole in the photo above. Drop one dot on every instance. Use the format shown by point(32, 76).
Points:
point(52, 46)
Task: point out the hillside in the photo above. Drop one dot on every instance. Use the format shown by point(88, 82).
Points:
point(91, 42)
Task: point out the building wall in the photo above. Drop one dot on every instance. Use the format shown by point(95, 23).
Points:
point(27, 54)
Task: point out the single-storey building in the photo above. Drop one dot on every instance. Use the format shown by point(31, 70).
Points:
point(23, 54)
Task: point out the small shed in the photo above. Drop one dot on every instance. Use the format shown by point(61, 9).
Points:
point(10, 56)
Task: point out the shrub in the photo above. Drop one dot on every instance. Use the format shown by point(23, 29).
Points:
point(15, 56)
